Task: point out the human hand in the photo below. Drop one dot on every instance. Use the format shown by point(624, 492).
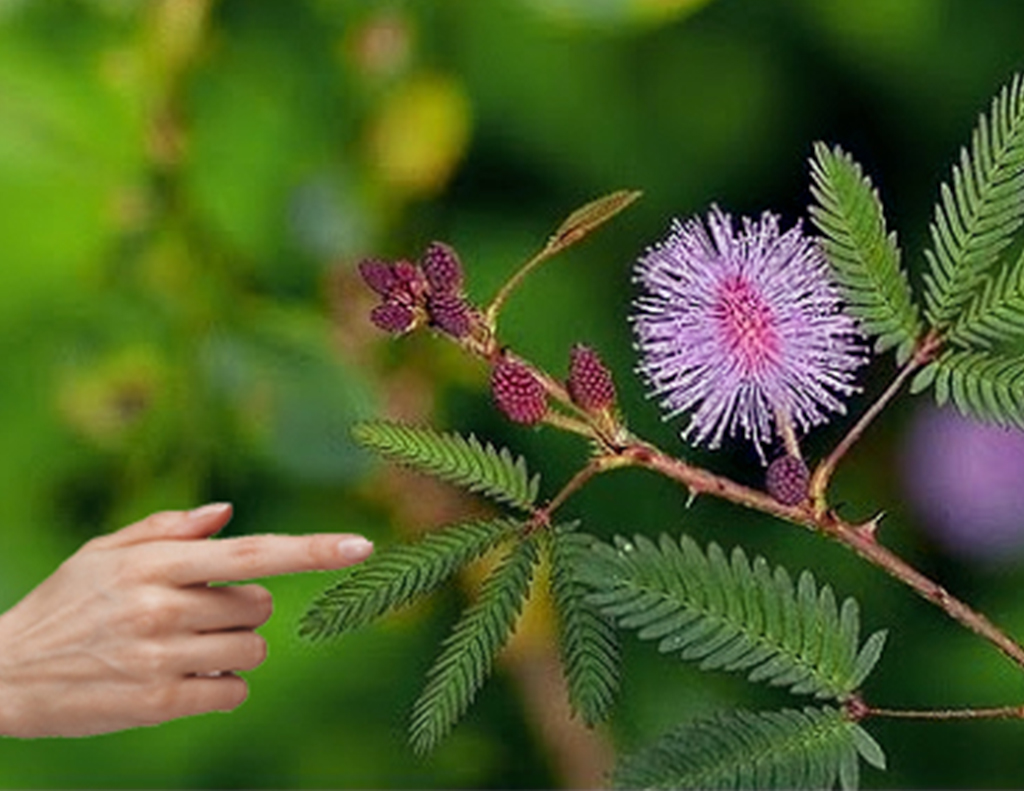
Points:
point(128, 631)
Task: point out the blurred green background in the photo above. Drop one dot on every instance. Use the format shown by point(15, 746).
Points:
point(185, 187)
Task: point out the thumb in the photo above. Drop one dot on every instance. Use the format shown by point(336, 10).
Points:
point(200, 522)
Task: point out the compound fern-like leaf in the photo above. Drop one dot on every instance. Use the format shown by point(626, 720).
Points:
point(985, 385)
point(393, 577)
point(464, 461)
point(976, 218)
point(865, 258)
point(995, 315)
point(468, 655)
point(588, 643)
point(812, 748)
point(731, 614)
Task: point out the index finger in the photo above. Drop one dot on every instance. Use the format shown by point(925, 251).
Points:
point(249, 557)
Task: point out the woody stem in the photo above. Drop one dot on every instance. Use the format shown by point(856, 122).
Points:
point(999, 712)
point(701, 481)
point(818, 488)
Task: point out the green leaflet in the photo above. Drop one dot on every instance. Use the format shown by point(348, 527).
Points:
point(588, 218)
point(977, 216)
point(464, 461)
point(589, 645)
point(393, 577)
point(985, 385)
point(995, 315)
point(865, 259)
point(468, 654)
point(730, 614)
point(812, 748)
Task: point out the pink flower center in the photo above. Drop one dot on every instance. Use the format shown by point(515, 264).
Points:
point(747, 323)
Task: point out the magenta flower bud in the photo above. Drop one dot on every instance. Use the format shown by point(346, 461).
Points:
point(518, 393)
point(393, 317)
point(442, 268)
point(407, 276)
point(787, 480)
point(450, 313)
point(590, 383)
point(378, 275)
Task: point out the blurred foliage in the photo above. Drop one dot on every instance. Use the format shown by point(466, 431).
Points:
point(184, 188)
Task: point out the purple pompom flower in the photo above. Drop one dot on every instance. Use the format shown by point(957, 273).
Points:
point(965, 480)
point(739, 328)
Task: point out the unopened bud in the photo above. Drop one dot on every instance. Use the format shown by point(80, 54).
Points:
point(787, 480)
point(408, 278)
point(518, 393)
point(442, 268)
point(378, 275)
point(590, 382)
point(393, 317)
point(450, 313)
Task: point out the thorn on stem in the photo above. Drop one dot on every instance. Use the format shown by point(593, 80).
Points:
point(870, 528)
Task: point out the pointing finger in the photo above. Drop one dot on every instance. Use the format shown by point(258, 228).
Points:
point(200, 522)
point(249, 557)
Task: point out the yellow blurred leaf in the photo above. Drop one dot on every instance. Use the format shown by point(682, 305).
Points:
point(420, 135)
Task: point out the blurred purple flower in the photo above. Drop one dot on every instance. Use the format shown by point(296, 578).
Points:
point(965, 479)
point(739, 327)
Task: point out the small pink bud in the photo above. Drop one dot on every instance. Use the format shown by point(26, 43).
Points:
point(787, 480)
point(518, 393)
point(590, 383)
point(442, 268)
point(450, 313)
point(393, 317)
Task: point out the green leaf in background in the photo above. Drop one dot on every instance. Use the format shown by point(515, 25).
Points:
point(71, 166)
point(469, 651)
point(295, 398)
point(614, 13)
point(260, 125)
point(464, 461)
point(810, 748)
point(976, 218)
point(393, 577)
point(731, 615)
point(865, 258)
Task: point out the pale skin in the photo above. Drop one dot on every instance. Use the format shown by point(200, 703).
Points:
point(128, 631)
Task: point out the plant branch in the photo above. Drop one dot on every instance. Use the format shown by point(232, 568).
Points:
point(631, 451)
point(818, 487)
point(491, 314)
point(1000, 712)
point(863, 542)
point(577, 482)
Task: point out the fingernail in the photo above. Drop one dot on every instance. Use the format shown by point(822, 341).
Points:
point(355, 548)
point(208, 510)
